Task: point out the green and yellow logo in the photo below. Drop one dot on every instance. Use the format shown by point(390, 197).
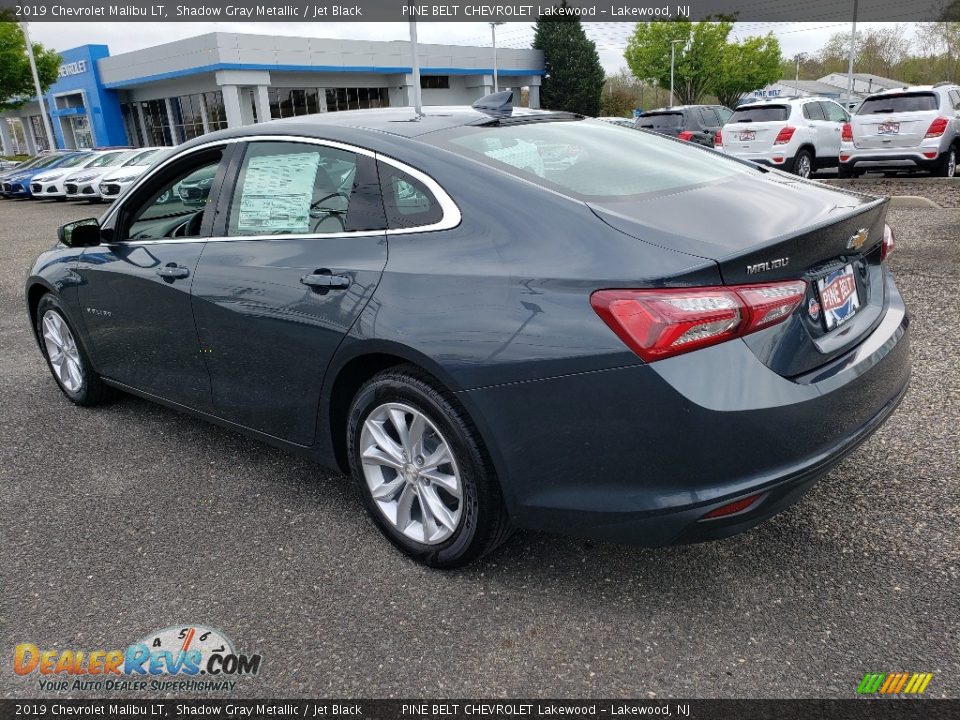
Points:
point(899, 683)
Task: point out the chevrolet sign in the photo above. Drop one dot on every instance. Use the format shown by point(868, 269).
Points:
point(75, 68)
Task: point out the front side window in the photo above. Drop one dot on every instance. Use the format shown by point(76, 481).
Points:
point(287, 188)
point(834, 112)
point(172, 204)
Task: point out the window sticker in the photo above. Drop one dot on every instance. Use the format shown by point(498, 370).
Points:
point(276, 194)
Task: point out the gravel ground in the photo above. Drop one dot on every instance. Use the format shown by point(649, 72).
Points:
point(945, 192)
point(121, 520)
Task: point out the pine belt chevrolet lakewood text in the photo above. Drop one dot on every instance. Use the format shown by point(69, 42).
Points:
point(494, 318)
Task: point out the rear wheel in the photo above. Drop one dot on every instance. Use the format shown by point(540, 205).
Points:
point(803, 164)
point(948, 164)
point(66, 358)
point(425, 479)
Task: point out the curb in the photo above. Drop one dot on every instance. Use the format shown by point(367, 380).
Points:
point(912, 201)
point(879, 178)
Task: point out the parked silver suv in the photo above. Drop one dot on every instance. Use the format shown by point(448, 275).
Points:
point(911, 128)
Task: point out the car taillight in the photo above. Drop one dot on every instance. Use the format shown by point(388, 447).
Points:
point(685, 135)
point(888, 243)
point(783, 137)
point(657, 324)
point(718, 139)
point(937, 128)
point(846, 134)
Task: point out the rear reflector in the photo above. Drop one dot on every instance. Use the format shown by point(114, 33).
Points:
point(889, 242)
point(783, 137)
point(937, 128)
point(733, 508)
point(846, 133)
point(930, 155)
point(778, 160)
point(658, 324)
point(685, 135)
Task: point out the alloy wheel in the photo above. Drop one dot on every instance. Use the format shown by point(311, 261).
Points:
point(62, 351)
point(411, 472)
point(952, 163)
point(803, 166)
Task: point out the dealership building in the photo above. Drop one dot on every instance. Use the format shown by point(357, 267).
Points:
point(170, 93)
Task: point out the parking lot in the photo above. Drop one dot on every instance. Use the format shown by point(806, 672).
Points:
point(124, 519)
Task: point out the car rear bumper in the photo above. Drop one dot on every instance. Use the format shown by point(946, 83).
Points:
point(892, 158)
point(779, 160)
point(641, 454)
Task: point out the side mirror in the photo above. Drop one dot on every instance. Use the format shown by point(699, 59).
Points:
point(82, 233)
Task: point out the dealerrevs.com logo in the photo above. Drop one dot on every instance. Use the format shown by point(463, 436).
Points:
point(178, 658)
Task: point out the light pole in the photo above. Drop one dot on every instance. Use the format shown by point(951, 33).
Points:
point(415, 68)
point(493, 34)
point(673, 58)
point(36, 85)
point(853, 42)
point(799, 57)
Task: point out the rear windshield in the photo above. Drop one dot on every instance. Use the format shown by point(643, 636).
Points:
point(660, 121)
point(886, 104)
point(764, 113)
point(589, 159)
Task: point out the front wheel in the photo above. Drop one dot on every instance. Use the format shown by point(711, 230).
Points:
point(422, 470)
point(65, 356)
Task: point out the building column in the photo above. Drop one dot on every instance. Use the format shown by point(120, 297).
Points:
point(28, 135)
point(262, 101)
point(231, 105)
point(5, 137)
point(534, 97)
point(173, 130)
point(322, 99)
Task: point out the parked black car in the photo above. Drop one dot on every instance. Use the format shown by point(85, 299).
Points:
point(637, 340)
point(695, 123)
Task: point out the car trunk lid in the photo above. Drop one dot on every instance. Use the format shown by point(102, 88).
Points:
point(753, 129)
point(766, 228)
point(894, 121)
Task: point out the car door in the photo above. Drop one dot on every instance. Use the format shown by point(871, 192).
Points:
point(709, 124)
point(135, 289)
point(298, 250)
point(819, 130)
point(836, 116)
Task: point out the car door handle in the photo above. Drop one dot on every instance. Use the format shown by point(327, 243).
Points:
point(172, 271)
point(325, 279)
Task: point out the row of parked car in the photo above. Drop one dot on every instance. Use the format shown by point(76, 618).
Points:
point(906, 129)
point(92, 175)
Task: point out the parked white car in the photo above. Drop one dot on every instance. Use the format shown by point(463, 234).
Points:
point(49, 185)
point(85, 184)
point(911, 128)
point(119, 179)
point(798, 135)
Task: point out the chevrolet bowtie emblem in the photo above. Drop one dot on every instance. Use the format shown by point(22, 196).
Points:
point(856, 242)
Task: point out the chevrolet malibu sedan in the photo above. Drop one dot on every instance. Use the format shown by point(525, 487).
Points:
point(666, 350)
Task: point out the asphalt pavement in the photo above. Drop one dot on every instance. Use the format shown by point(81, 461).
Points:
point(124, 519)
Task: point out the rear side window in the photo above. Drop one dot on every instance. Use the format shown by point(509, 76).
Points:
point(407, 201)
point(908, 102)
point(585, 159)
point(661, 121)
point(955, 99)
point(709, 118)
point(813, 111)
point(760, 113)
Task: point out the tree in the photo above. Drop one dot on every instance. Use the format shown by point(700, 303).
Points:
point(706, 63)
point(941, 43)
point(748, 65)
point(573, 76)
point(699, 53)
point(16, 80)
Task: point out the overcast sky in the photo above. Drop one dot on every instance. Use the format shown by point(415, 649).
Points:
point(610, 37)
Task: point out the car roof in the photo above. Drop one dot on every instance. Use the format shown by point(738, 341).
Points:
point(913, 88)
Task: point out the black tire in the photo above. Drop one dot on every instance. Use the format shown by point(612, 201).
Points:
point(803, 159)
point(91, 391)
point(845, 173)
point(947, 166)
point(483, 524)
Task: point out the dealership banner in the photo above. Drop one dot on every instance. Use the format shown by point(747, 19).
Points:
point(467, 11)
point(460, 709)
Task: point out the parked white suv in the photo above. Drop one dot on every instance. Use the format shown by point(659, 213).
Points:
point(911, 128)
point(798, 135)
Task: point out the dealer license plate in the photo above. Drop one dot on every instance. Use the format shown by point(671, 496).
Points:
point(839, 300)
point(748, 136)
point(889, 128)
